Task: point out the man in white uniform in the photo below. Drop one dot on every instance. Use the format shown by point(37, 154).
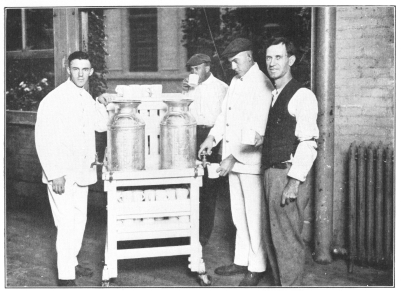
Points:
point(67, 119)
point(245, 110)
point(208, 96)
point(289, 151)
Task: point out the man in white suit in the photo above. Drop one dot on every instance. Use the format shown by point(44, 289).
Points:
point(65, 141)
point(240, 126)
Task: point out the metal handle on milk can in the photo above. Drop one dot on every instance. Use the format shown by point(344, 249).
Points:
point(123, 115)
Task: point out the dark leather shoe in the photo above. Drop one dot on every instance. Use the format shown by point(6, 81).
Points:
point(66, 283)
point(81, 271)
point(230, 270)
point(251, 279)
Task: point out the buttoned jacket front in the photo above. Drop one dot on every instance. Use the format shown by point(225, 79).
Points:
point(246, 106)
point(65, 133)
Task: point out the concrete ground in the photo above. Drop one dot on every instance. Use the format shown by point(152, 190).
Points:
point(31, 256)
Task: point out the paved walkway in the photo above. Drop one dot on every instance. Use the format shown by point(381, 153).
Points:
point(31, 256)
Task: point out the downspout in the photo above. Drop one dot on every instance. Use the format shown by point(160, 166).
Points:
point(324, 88)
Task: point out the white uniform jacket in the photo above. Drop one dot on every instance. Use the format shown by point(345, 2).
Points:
point(65, 133)
point(208, 97)
point(246, 106)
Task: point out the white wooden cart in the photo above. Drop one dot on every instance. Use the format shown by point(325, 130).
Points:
point(152, 111)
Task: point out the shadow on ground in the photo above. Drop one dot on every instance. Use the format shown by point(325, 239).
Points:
point(31, 255)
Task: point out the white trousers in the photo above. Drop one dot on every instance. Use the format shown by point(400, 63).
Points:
point(248, 212)
point(69, 212)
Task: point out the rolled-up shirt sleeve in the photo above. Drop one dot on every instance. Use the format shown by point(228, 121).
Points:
point(303, 106)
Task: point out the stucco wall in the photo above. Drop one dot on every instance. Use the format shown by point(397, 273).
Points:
point(172, 55)
point(365, 91)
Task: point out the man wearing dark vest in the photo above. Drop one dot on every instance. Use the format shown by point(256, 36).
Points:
point(289, 150)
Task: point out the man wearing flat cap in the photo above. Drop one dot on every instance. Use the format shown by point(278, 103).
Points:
point(208, 95)
point(241, 126)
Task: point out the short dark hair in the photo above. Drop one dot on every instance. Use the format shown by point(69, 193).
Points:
point(78, 55)
point(289, 44)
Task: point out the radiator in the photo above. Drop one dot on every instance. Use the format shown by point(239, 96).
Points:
point(370, 212)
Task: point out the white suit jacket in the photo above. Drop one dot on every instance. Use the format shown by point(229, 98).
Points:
point(65, 133)
point(246, 106)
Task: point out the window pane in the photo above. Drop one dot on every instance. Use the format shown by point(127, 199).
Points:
point(13, 30)
point(143, 39)
point(39, 23)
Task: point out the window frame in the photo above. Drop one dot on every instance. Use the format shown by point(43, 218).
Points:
point(118, 61)
point(154, 42)
point(25, 53)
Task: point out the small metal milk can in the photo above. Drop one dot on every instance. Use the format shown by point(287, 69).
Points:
point(178, 136)
point(126, 138)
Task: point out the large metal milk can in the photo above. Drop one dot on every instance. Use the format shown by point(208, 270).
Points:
point(126, 138)
point(178, 136)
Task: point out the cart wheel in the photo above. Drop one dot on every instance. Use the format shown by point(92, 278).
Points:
point(204, 279)
point(106, 283)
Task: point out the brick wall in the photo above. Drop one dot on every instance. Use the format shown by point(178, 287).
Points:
point(364, 98)
point(23, 169)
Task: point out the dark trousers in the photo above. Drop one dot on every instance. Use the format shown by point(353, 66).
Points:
point(209, 190)
point(285, 245)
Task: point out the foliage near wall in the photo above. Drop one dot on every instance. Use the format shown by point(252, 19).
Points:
point(255, 23)
point(28, 81)
point(97, 52)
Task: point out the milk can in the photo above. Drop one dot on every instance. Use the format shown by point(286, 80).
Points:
point(178, 136)
point(126, 138)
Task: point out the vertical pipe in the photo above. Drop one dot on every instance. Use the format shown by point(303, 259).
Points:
point(325, 88)
point(388, 206)
point(352, 207)
point(379, 205)
point(313, 50)
point(370, 206)
point(23, 28)
point(361, 201)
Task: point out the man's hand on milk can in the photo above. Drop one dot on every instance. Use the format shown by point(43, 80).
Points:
point(104, 99)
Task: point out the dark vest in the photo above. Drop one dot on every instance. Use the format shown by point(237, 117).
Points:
point(280, 140)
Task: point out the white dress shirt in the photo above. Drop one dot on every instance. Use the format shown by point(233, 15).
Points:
point(208, 97)
point(246, 106)
point(303, 106)
point(65, 133)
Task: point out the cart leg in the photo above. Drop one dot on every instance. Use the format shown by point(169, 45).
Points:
point(105, 277)
point(203, 278)
point(111, 230)
point(198, 265)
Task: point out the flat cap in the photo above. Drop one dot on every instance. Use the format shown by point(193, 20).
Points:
point(198, 59)
point(236, 46)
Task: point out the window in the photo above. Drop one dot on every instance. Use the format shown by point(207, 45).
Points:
point(29, 33)
point(30, 56)
point(143, 39)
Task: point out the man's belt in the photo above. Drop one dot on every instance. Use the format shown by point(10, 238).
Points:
point(279, 166)
point(204, 126)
